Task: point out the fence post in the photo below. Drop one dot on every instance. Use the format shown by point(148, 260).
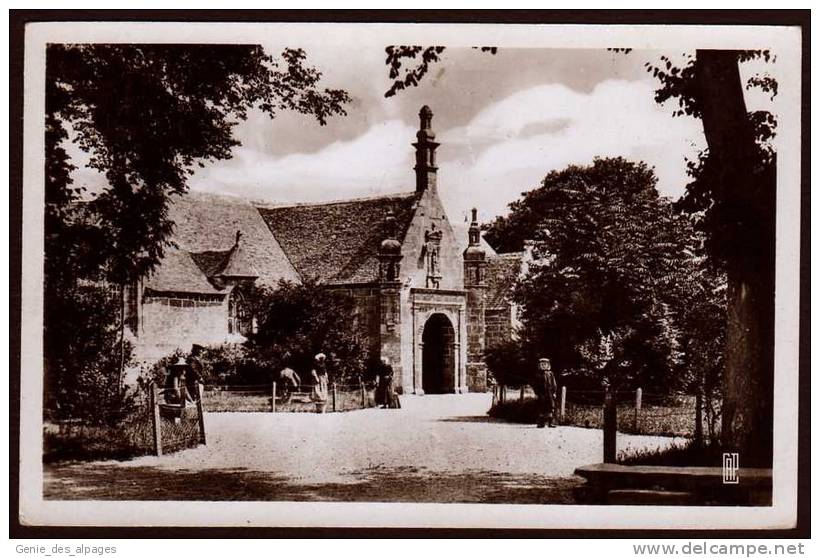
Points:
point(638, 401)
point(333, 396)
point(156, 423)
point(563, 403)
point(200, 389)
point(273, 398)
point(610, 426)
point(523, 388)
point(503, 393)
point(364, 400)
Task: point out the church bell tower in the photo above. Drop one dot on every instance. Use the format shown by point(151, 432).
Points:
point(425, 151)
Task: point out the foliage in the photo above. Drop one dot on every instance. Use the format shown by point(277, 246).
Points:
point(733, 198)
point(222, 364)
point(699, 299)
point(82, 357)
point(298, 321)
point(680, 454)
point(606, 251)
point(670, 419)
point(128, 439)
point(403, 76)
point(734, 229)
point(149, 114)
point(510, 365)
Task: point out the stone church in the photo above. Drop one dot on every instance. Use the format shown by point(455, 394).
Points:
point(431, 293)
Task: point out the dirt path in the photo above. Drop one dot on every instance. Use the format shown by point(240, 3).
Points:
point(435, 449)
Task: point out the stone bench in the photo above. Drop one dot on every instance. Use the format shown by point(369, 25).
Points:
point(609, 483)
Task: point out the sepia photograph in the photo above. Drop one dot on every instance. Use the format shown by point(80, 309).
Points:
point(351, 274)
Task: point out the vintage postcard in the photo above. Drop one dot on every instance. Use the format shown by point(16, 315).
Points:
point(410, 275)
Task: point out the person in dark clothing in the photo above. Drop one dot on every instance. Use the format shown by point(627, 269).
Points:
point(384, 388)
point(545, 388)
point(176, 391)
point(194, 373)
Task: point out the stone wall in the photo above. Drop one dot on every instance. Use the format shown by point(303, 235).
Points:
point(168, 323)
point(498, 326)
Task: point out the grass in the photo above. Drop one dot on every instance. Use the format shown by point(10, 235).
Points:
point(80, 442)
point(131, 438)
point(237, 401)
point(676, 418)
point(683, 454)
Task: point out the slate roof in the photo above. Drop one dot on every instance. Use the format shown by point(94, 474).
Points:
point(178, 273)
point(210, 262)
point(337, 242)
point(502, 271)
point(206, 225)
point(205, 234)
point(238, 262)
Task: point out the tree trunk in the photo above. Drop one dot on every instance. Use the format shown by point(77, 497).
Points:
point(746, 193)
point(121, 371)
point(749, 376)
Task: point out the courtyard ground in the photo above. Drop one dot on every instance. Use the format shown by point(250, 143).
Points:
point(437, 448)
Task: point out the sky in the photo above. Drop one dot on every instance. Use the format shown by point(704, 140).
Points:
point(504, 121)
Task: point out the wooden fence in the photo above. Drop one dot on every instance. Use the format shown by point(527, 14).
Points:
point(279, 397)
point(176, 422)
point(630, 412)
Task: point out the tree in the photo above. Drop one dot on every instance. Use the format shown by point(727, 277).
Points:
point(148, 115)
point(733, 196)
point(606, 250)
point(699, 302)
point(83, 358)
point(297, 321)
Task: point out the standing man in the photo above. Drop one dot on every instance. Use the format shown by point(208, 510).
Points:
point(546, 393)
point(195, 372)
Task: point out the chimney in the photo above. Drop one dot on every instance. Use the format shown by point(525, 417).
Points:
point(425, 151)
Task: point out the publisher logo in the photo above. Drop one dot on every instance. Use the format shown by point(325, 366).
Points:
point(730, 467)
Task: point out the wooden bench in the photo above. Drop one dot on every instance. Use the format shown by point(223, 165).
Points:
point(609, 483)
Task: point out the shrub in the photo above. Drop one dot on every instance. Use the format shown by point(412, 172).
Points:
point(129, 438)
point(509, 365)
point(225, 364)
point(681, 454)
point(82, 357)
point(295, 322)
point(524, 412)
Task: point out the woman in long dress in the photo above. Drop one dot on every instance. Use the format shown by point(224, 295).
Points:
point(320, 382)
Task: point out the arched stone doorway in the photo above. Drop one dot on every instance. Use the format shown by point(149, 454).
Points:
point(438, 355)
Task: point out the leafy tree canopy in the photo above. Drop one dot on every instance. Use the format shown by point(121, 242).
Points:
point(297, 321)
point(149, 114)
point(606, 252)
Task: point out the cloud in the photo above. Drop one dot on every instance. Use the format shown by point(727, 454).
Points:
point(378, 161)
point(509, 146)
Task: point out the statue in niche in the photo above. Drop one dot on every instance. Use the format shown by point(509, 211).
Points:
point(432, 248)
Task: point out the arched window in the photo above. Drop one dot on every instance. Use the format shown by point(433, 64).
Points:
point(239, 321)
